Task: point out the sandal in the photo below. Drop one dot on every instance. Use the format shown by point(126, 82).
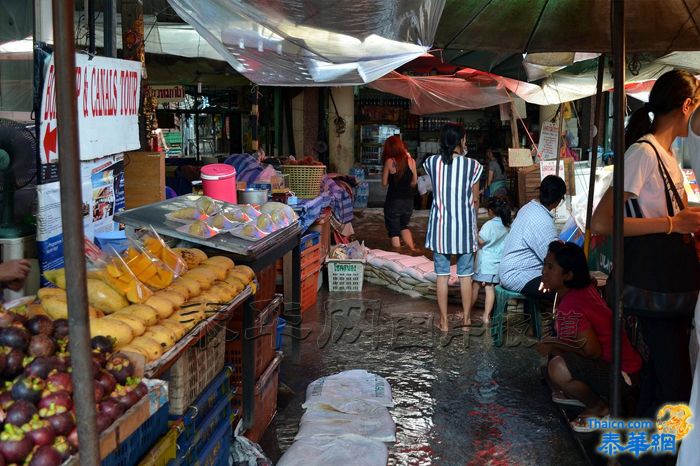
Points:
point(561, 398)
point(582, 425)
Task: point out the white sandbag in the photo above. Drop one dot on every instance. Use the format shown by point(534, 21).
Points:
point(376, 262)
point(346, 450)
point(390, 275)
point(409, 281)
point(341, 390)
point(384, 254)
point(377, 281)
point(410, 261)
point(413, 273)
point(393, 266)
point(412, 293)
point(370, 421)
point(431, 277)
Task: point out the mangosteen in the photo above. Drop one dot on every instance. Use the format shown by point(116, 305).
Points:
point(99, 393)
point(61, 446)
point(14, 364)
point(60, 328)
point(20, 412)
point(58, 380)
point(20, 320)
point(40, 367)
point(15, 446)
point(140, 389)
point(98, 358)
point(61, 419)
point(46, 455)
point(14, 337)
point(121, 367)
point(59, 398)
point(111, 408)
point(28, 389)
point(3, 358)
point(40, 431)
point(106, 380)
point(103, 422)
point(73, 438)
point(6, 399)
point(104, 345)
point(41, 345)
point(125, 397)
point(40, 325)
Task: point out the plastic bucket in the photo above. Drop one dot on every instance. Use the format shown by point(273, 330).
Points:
point(116, 239)
point(219, 182)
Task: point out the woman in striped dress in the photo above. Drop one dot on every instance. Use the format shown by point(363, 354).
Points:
point(452, 228)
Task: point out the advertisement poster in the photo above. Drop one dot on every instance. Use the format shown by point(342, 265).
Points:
point(549, 140)
point(102, 183)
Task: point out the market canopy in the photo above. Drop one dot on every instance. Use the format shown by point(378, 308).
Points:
point(314, 42)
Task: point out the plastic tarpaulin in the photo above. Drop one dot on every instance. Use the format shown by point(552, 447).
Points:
point(314, 42)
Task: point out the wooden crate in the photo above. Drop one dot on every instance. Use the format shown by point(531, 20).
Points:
point(144, 178)
point(529, 181)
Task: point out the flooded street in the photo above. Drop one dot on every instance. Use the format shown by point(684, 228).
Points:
point(458, 399)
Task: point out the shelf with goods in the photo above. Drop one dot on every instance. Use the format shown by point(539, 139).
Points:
point(233, 325)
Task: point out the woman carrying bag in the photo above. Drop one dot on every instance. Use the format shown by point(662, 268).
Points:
point(661, 269)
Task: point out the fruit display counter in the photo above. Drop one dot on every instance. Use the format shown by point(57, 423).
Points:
point(261, 254)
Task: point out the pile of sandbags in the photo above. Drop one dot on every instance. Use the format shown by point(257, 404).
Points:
point(346, 422)
point(413, 276)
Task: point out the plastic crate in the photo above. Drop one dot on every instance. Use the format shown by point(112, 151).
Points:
point(309, 291)
point(345, 275)
point(163, 451)
point(215, 452)
point(197, 413)
point(195, 369)
point(262, 334)
point(265, 400)
point(304, 180)
point(130, 451)
point(281, 325)
point(308, 240)
point(267, 283)
point(193, 440)
point(310, 261)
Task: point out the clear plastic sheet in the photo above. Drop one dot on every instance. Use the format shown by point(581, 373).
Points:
point(314, 42)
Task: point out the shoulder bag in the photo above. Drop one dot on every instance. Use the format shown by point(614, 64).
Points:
point(661, 271)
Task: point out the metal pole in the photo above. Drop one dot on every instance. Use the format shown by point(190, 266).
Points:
point(91, 26)
point(72, 222)
point(559, 138)
point(618, 45)
point(110, 28)
point(278, 123)
point(593, 159)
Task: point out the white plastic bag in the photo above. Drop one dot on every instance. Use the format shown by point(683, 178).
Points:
point(371, 421)
point(325, 450)
point(342, 390)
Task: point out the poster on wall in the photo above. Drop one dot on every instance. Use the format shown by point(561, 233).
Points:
point(108, 95)
point(549, 140)
point(102, 186)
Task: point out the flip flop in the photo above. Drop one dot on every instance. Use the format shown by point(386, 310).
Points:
point(581, 425)
point(561, 398)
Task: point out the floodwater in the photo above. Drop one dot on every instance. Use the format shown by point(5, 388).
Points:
point(458, 399)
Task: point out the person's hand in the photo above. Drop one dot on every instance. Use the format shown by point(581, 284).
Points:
point(687, 221)
point(13, 273)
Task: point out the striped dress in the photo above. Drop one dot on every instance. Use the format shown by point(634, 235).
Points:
point(452, 225)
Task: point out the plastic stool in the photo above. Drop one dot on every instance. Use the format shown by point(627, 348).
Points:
point(499, 313)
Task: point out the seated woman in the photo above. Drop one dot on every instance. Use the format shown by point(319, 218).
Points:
point(581, 354)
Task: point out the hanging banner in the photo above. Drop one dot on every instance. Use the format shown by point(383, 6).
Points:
point(549, 140)
point(108, 97)
point(167, 94)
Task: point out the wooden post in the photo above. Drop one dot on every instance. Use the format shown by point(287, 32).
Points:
point(515, 140)
point(133, 48)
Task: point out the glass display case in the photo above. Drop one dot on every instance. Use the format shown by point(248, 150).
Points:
point(372, 139)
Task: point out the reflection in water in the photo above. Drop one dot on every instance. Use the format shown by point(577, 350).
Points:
point(458, 400)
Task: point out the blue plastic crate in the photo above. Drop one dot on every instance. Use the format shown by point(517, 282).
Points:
point(216, 451)
point(308, 240)
point(281, 324)
point(192, 441)
point(129, 452)
point(216, 389)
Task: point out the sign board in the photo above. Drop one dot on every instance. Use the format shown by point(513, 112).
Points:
point(108, 94)
point(549, 140)
point(519, 158)
point(167, 94)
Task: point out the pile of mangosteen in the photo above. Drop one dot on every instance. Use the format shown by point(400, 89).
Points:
point(37, 415)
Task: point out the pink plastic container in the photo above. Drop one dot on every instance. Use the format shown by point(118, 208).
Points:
point(219, 182)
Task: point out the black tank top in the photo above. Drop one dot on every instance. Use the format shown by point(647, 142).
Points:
point(400, 187)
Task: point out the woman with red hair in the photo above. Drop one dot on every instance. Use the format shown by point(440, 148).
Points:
point(400, 176)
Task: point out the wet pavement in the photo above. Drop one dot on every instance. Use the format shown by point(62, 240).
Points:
point(458, 399)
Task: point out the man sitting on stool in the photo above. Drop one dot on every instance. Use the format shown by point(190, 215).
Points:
point(526, 244)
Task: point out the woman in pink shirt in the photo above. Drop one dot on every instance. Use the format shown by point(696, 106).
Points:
point(581, 353)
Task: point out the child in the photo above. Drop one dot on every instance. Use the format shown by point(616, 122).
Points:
point(491, 239)
point(581, 354)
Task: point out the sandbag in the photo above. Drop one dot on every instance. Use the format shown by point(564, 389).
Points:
point(341, 390)
point(370, 421)
point(346, 450)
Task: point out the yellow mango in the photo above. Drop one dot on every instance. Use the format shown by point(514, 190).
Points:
point(220, 261)
point(176, 327)
point(162, 306)
point(245, 271)
point(163, 335)
point(137, 325)
point(57, 277)
point(176, 299)
point(104, 297)
point(44, 293)
point(107, 327)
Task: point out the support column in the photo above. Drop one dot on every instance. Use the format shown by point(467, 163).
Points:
point(134, 48)
point(341, 146)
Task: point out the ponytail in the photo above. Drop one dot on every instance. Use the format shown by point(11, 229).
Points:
point(638, 125)
point(450, 137)
point(500, 206)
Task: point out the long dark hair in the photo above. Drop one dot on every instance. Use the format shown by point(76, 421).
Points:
point(500, 206)
point(668, 94)
point(571, 258)
point(450, 137)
